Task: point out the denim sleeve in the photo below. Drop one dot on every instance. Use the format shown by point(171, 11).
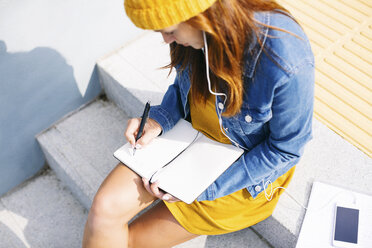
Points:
point(290, 129)
point(171, 110)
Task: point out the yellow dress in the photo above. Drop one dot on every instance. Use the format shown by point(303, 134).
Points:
point(229, 213)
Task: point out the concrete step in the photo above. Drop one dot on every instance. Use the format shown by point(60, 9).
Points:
point(41, 213)
point(130, 78)
point(79, 149)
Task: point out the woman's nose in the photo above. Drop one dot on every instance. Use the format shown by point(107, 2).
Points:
point(168, 38)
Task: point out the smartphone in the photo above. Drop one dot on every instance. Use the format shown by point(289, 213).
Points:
point(346, 226)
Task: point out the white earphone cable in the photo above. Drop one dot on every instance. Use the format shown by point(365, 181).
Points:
point(216, 93)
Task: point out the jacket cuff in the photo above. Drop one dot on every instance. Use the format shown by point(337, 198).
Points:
point(162, 117)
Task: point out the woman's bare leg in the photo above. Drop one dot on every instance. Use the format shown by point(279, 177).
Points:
point(120, 197)
point(157, 228)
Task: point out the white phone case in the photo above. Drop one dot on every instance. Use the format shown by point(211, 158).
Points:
point(342, 244)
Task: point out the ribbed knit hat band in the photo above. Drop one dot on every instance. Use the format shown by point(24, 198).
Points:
point(159, 14)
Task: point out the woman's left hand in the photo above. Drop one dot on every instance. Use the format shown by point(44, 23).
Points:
point(154, 190)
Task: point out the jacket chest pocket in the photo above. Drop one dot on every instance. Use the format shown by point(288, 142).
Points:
point(252, 120)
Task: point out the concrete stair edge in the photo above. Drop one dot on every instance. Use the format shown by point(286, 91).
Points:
point(70, 178)
point(121, 96)
point(130, 77)
point(74, 170)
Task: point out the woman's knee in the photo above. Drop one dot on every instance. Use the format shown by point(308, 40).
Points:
point(108, 206)
point(119, 198)
point(104, 213)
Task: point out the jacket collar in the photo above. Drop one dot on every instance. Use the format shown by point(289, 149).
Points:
point(254, 50)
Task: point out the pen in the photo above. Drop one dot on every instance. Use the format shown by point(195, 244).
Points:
point(142, 124)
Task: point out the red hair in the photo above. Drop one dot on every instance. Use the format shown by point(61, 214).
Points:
point(230, 27)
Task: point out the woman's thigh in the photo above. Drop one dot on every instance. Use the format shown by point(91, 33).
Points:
point(121, 195)
point(157, 228)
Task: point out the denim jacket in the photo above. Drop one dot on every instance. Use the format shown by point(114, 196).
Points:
point(275, 119)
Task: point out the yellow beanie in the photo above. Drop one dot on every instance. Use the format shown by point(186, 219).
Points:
point(159, 14)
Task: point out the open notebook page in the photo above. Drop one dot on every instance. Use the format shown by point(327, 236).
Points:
point(159, 152)
point(196, 168)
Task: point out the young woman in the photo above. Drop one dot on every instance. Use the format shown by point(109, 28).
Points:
point(245, 76)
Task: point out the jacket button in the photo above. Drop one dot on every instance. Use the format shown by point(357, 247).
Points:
point(220, 105)
point(257, 188)
point(248, 118)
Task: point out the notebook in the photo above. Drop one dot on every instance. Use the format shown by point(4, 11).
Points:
point(183, 161)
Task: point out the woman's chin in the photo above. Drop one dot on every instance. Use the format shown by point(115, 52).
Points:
point(197, 46)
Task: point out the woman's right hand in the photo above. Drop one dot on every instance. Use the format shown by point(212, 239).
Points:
point(151, 130)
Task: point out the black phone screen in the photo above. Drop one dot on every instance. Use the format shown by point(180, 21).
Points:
point(346, 228)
